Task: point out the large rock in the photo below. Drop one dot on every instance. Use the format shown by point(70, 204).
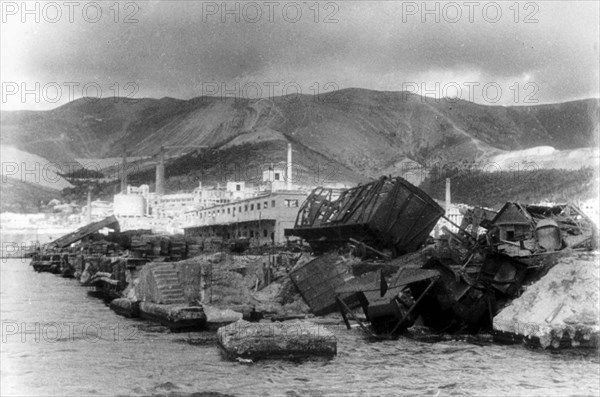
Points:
point(292, 339)
point(560, 310)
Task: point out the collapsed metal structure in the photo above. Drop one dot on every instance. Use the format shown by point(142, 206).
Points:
point(389, 213)
point(457, 284)
point(85, 231)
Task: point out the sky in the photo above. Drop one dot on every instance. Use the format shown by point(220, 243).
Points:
point(494, 53)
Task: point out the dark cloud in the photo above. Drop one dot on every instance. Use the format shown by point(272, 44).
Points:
point(174, 48)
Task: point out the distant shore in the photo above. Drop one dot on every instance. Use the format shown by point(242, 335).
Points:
point(14, 241)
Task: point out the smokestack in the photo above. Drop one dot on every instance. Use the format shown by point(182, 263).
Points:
point(160, 172)
point(124, 175)
point(289, 167)
point(448, 195)
point(89, 205)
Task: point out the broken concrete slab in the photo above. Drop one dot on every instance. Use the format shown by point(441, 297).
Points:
point(216, 317)
point(125, 307)
point(176, 317)
point(560, 310)
point(160, 283)
point(293, 339)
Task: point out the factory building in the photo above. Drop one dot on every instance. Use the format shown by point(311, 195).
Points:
point(232, 210)
point(260, 219)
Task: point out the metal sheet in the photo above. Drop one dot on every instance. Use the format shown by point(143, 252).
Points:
point(82, 232)
point(317, 281)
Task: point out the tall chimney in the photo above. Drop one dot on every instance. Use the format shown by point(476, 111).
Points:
point(89, 205)
point(289, 167)
point(448, 195)
point(160, 172)
point(124, 175)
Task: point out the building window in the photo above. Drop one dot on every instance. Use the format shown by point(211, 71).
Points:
point(229, 210)
point(266, 204)
point(258, 206)
point(277, 176)
point(238, 187)
point(291, 203)
point(251, 207)
point(272, 203)
point(251, 233)
point(265, 233)
point(240, 209)
point(246, 208)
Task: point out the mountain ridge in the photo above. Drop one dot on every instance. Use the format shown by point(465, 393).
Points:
point(363, 130)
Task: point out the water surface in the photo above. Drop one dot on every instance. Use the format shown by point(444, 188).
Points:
point(59, 341)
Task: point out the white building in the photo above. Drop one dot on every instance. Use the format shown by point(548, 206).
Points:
point(100, 210)
point(261, 219)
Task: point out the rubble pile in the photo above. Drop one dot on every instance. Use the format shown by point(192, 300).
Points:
point(561, 309)
point(223, 281)
point(524, 272)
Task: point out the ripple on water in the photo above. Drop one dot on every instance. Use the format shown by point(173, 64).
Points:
point(155, 362)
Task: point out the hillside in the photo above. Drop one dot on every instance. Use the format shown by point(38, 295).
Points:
point(492, 190)
point(364, 131)
point(22, 197)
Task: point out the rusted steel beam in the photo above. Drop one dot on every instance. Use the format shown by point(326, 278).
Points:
point(413, 306)
point(343, 305)
point(369, 248)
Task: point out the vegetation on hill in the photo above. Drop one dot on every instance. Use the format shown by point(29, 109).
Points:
point(22, 197)
point(492, 190)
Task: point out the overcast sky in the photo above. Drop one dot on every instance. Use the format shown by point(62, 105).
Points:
point(184, 49)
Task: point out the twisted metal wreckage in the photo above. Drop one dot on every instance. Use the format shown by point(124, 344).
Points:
point(457, 284)
point(400, 276)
